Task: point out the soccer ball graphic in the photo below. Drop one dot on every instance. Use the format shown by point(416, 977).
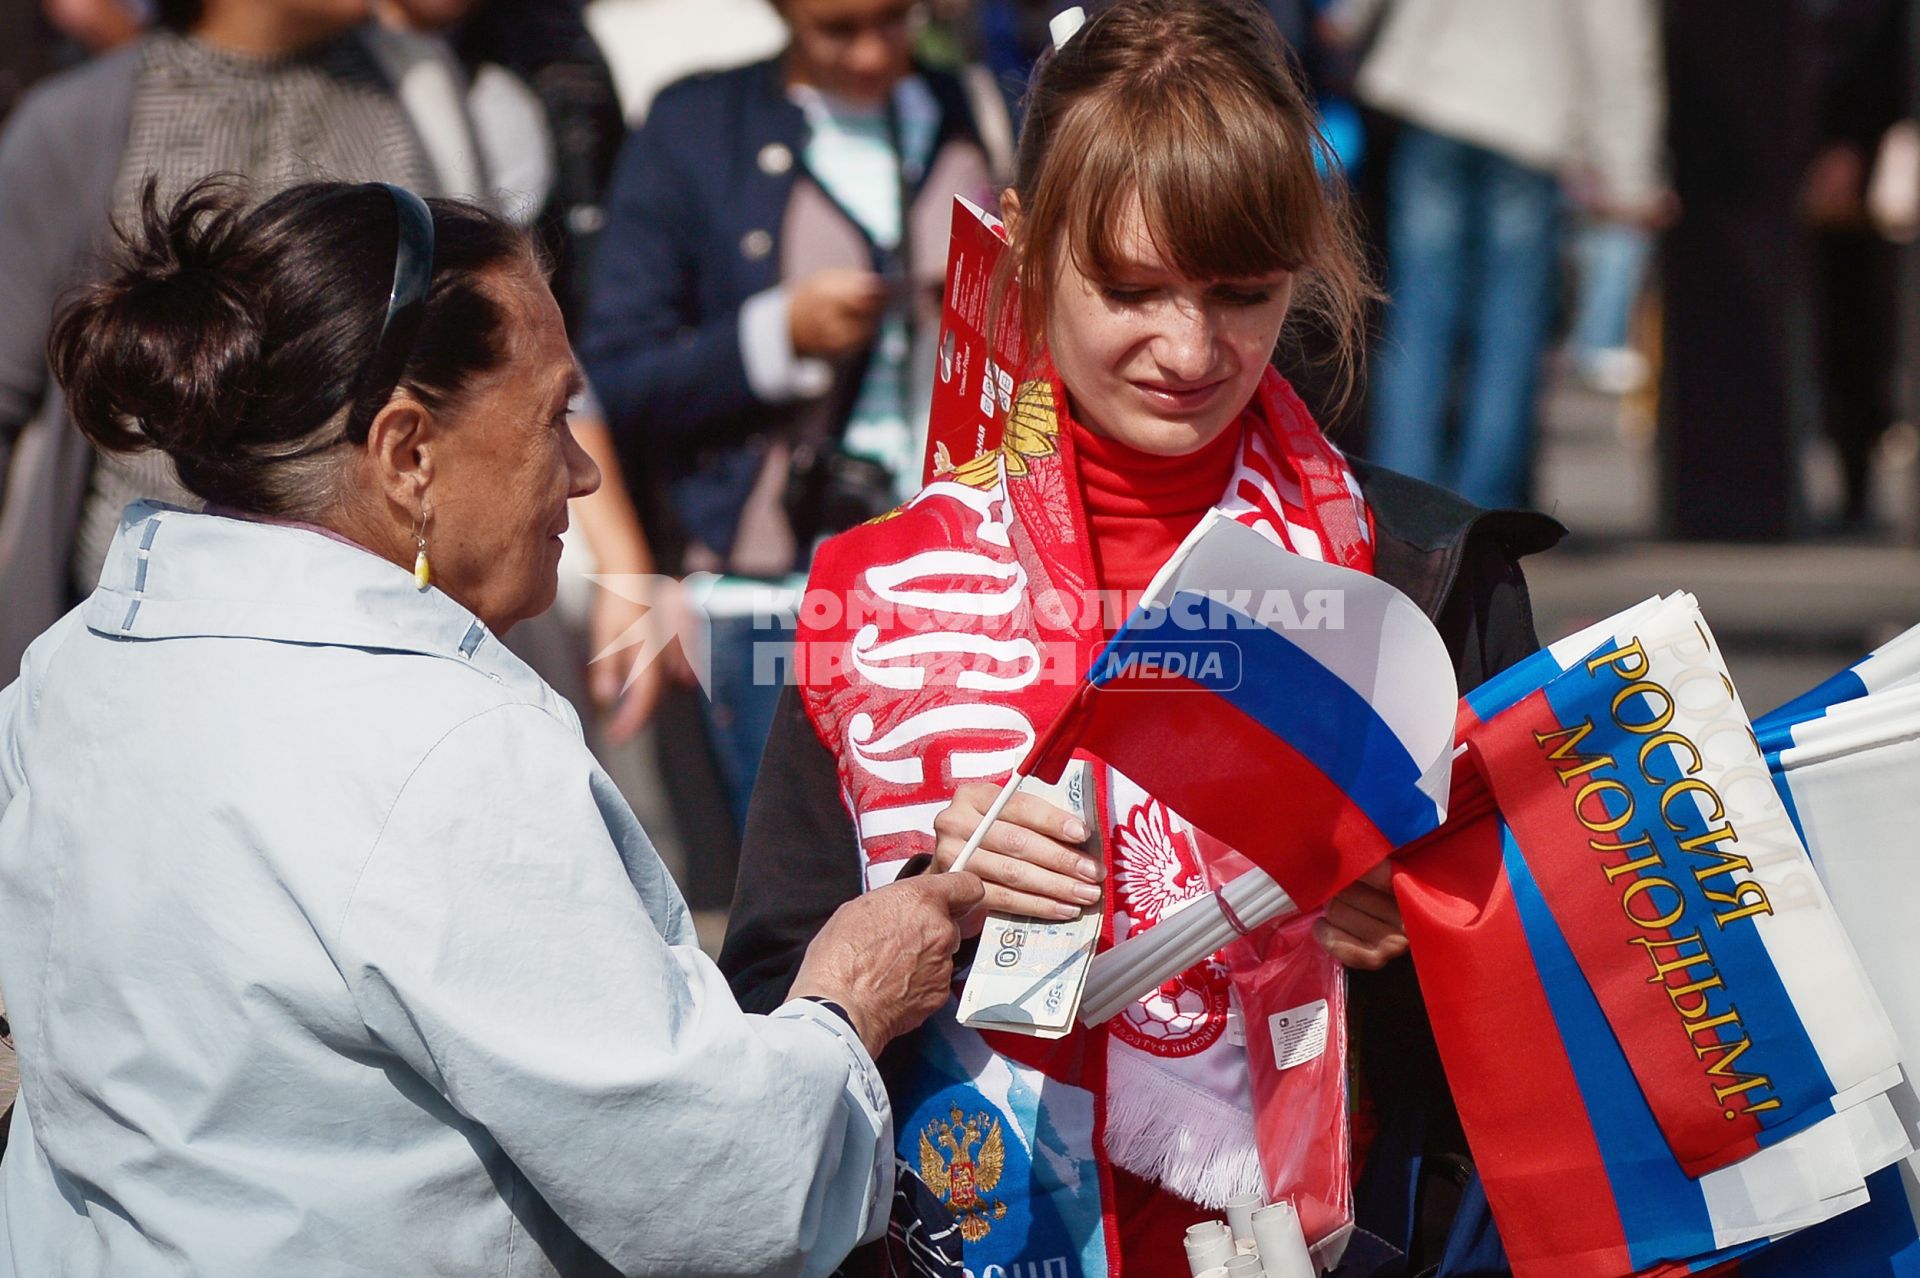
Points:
point(1177, 1019)
point(1158, 872)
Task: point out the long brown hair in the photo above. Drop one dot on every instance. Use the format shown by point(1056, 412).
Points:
point(1194, 108)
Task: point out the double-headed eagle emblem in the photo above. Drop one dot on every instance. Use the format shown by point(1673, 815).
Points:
point(1032, 430)
point(968, 1170)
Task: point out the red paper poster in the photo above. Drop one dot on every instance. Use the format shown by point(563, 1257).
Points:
point(974, 377)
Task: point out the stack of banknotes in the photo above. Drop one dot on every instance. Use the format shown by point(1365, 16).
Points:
point(1028, 974)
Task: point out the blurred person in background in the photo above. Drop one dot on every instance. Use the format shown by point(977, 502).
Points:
point(546, 123)
point(96, 26)
point(26, 52)
point(1011, 35)
point(1734, 270)
point(1504, 106)
point(1610, 258)
point(761, 312)
point(39, 39)
point(650, 44)
point(274, 91)
point(1861, 87)
point(546, 114)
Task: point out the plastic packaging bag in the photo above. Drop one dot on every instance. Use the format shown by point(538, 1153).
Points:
point(1293, 998)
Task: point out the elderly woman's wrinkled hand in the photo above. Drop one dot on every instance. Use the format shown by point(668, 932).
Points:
point(1028, 860)
point(887, 956)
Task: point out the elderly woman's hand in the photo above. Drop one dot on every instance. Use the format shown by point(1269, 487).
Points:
point(1362, 924)
point(1027, 860)
point(887, 956)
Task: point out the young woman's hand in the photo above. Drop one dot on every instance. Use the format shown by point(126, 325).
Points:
point(1028, 859)
point(1362, 924)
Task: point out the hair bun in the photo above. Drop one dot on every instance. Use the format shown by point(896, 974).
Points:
point(164, 350)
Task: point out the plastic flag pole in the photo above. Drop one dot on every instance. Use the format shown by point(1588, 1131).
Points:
point(987, 819)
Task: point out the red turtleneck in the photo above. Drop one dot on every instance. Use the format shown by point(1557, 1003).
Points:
point(1140, 505)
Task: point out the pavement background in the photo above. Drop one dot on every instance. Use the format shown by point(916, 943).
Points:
point(1787, 616)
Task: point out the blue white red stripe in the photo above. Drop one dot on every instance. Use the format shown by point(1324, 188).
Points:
point(1583, 1182)
point(1527, 1011)
point(1298, 711)
point(1825, 1003)
point(1843, 758)
point(1891, 665)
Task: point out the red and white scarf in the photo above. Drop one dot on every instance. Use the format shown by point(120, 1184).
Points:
point(937, 642)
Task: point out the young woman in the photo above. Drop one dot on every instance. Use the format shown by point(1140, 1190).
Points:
point(1167, 218)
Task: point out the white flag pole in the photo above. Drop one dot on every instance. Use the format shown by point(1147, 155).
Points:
point(987, 819)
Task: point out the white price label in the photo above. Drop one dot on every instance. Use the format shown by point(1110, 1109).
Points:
point(1299, 1034)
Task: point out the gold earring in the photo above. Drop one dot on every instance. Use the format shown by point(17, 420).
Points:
point(422, 570)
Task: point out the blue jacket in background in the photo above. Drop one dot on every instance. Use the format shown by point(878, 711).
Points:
point(694, 220)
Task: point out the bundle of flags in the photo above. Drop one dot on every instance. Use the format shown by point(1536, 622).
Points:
point(1666, 1049)
point(1845, 758)
point(1645, 930)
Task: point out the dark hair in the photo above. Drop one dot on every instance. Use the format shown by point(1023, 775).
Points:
point(1194, 108)
point(235, 338)
point(178, 15)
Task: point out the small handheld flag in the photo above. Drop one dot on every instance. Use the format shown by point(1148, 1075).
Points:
point(1298, 711)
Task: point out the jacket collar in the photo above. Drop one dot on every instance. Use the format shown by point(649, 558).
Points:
point(1424, 532)
point(785, 122)
point(174, 574)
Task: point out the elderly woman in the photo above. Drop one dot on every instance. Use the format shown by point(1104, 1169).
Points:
point(328, 948)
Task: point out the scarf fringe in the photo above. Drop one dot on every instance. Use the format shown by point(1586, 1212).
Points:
point(1164, 1130)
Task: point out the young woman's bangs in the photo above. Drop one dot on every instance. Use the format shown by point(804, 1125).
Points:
point(1220, 196)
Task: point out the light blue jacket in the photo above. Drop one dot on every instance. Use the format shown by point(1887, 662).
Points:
point(329, 950)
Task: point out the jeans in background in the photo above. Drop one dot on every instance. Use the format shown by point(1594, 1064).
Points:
point(1472, 252)
point(1610, 259)
point(749, 658)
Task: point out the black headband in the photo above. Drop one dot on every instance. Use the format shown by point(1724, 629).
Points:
point(406, 306)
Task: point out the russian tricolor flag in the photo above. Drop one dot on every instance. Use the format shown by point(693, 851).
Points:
point(1581, 1178)
point(1894, 664)
point(1560, 1040)
point(1300, 712)
point(1844, 758)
